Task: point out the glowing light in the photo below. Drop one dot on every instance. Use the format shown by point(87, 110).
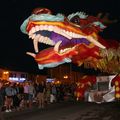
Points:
point(17, 79)
point(22, 79)
point(117, 89)
point(5, 72)
point(116, 83)
point(117, 95)
point(65, 77)
point(13, 78)
point(58, 82)
point(50, 80)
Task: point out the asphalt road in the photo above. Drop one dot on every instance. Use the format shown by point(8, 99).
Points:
point(69, 111)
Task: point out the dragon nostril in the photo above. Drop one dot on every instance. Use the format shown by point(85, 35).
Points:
point(41, 11)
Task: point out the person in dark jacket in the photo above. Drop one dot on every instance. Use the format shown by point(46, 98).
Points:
point(40, 89)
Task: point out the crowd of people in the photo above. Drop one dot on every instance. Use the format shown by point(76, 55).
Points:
point(19, 96)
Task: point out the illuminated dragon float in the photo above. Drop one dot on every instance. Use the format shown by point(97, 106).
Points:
point(74, 38)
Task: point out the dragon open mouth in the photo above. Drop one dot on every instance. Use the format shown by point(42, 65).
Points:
point(64, 34)
point(52, 34)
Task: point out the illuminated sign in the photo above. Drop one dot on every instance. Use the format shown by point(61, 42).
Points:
point(17, 79)
point(50, 79)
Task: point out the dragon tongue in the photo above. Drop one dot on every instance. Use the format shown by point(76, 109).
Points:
point(56, 47)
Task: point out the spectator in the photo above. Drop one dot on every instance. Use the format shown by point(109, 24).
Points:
point(40, 94)
point(31, 91)
point(16, 100)
point(53, 93)
point(26, 94)
point(1, 99)
point(9, 97)
point(48, 92)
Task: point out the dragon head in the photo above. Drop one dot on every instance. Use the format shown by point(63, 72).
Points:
point(64, 34)
point(88, 24)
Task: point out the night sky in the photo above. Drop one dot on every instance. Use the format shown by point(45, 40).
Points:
point(14, 44)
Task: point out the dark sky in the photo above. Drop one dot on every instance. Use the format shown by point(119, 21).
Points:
point(14, 44)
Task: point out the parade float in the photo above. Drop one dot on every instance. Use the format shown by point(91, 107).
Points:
point(74, 38)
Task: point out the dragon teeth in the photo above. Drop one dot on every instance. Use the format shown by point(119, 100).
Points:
point(33, 30)
point(64, 50)
point(45, 40)
point(35, 43)
point(33, 36)
point(56, 47)
point(37, 28)
point(50, 28)
point(67, 34)
point(60, 31)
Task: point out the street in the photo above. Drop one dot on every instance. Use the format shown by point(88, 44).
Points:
point(69, 111)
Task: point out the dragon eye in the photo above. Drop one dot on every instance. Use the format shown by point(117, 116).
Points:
point(76, 20)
